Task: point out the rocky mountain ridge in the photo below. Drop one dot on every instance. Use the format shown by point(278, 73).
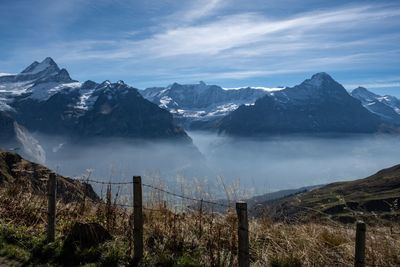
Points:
point(43, 98)
point(317, 105)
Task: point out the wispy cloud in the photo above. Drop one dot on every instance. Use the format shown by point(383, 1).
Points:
point(314, 30)
point(206, 40)
point(200, 9)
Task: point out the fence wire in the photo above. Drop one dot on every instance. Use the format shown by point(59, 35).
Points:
point(157, 189)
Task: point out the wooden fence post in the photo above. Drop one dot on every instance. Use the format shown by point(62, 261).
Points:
point(137, 220)
point(359, 259)
point(243, 234)
point(51, 207)
point(201, 219)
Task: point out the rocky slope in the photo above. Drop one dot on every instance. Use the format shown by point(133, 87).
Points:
point(197, 106)
point(22, 175)
point(386, 107)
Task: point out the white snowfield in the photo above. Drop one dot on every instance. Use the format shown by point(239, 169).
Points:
point(43, 92)
point(267, 89)
point(219, 110)
point(86, 100)
point(40, 92)
point(8, 91)
point(15, 89)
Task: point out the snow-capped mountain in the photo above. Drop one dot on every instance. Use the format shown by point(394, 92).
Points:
point(38, 81)
point(196, 104)
point(387, 107)
point(318, 105)
point(43, 98)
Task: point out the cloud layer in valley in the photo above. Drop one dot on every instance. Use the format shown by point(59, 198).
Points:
point(258, 165)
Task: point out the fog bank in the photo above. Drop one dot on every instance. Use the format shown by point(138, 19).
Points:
point(260, 166)
point(295, 161)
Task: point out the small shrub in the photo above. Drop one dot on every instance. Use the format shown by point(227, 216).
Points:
point(114, 254)
point(14, 252)
point(331, 238)
point(42, 252)
point(187, 261)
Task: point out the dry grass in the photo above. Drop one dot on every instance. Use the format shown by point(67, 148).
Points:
point(193, 238)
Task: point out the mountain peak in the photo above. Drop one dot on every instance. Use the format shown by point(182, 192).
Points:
point(320, 86)
point(49, 61)
point(318, 78)
point(361, 89)
point(36, 67)
point(364, 94)
point(322, 74)
point(89, 84)
point(106, 83)
point(321, 83)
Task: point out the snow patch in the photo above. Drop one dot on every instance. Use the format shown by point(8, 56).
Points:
point(86, 100)
point(44, 91)
point(15, 89)
point(267, 89)
point(223, 109)
point(165, 101)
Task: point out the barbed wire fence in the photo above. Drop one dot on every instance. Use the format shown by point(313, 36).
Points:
point(136, 219)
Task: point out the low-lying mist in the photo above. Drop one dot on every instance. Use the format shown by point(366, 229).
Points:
point(295, 161)
point(260, 166)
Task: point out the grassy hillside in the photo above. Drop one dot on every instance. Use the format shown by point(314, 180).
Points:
point(173, 236)
point(375, 199)
point(29, 177)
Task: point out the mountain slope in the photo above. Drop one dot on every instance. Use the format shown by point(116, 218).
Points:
point(196, 105)
point(318, 105)
point(375, 196)
point(386, 107)
point(121, 111)
point(7, 133)
point(44, 99)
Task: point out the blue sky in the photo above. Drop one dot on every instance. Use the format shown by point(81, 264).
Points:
point(231, 43)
